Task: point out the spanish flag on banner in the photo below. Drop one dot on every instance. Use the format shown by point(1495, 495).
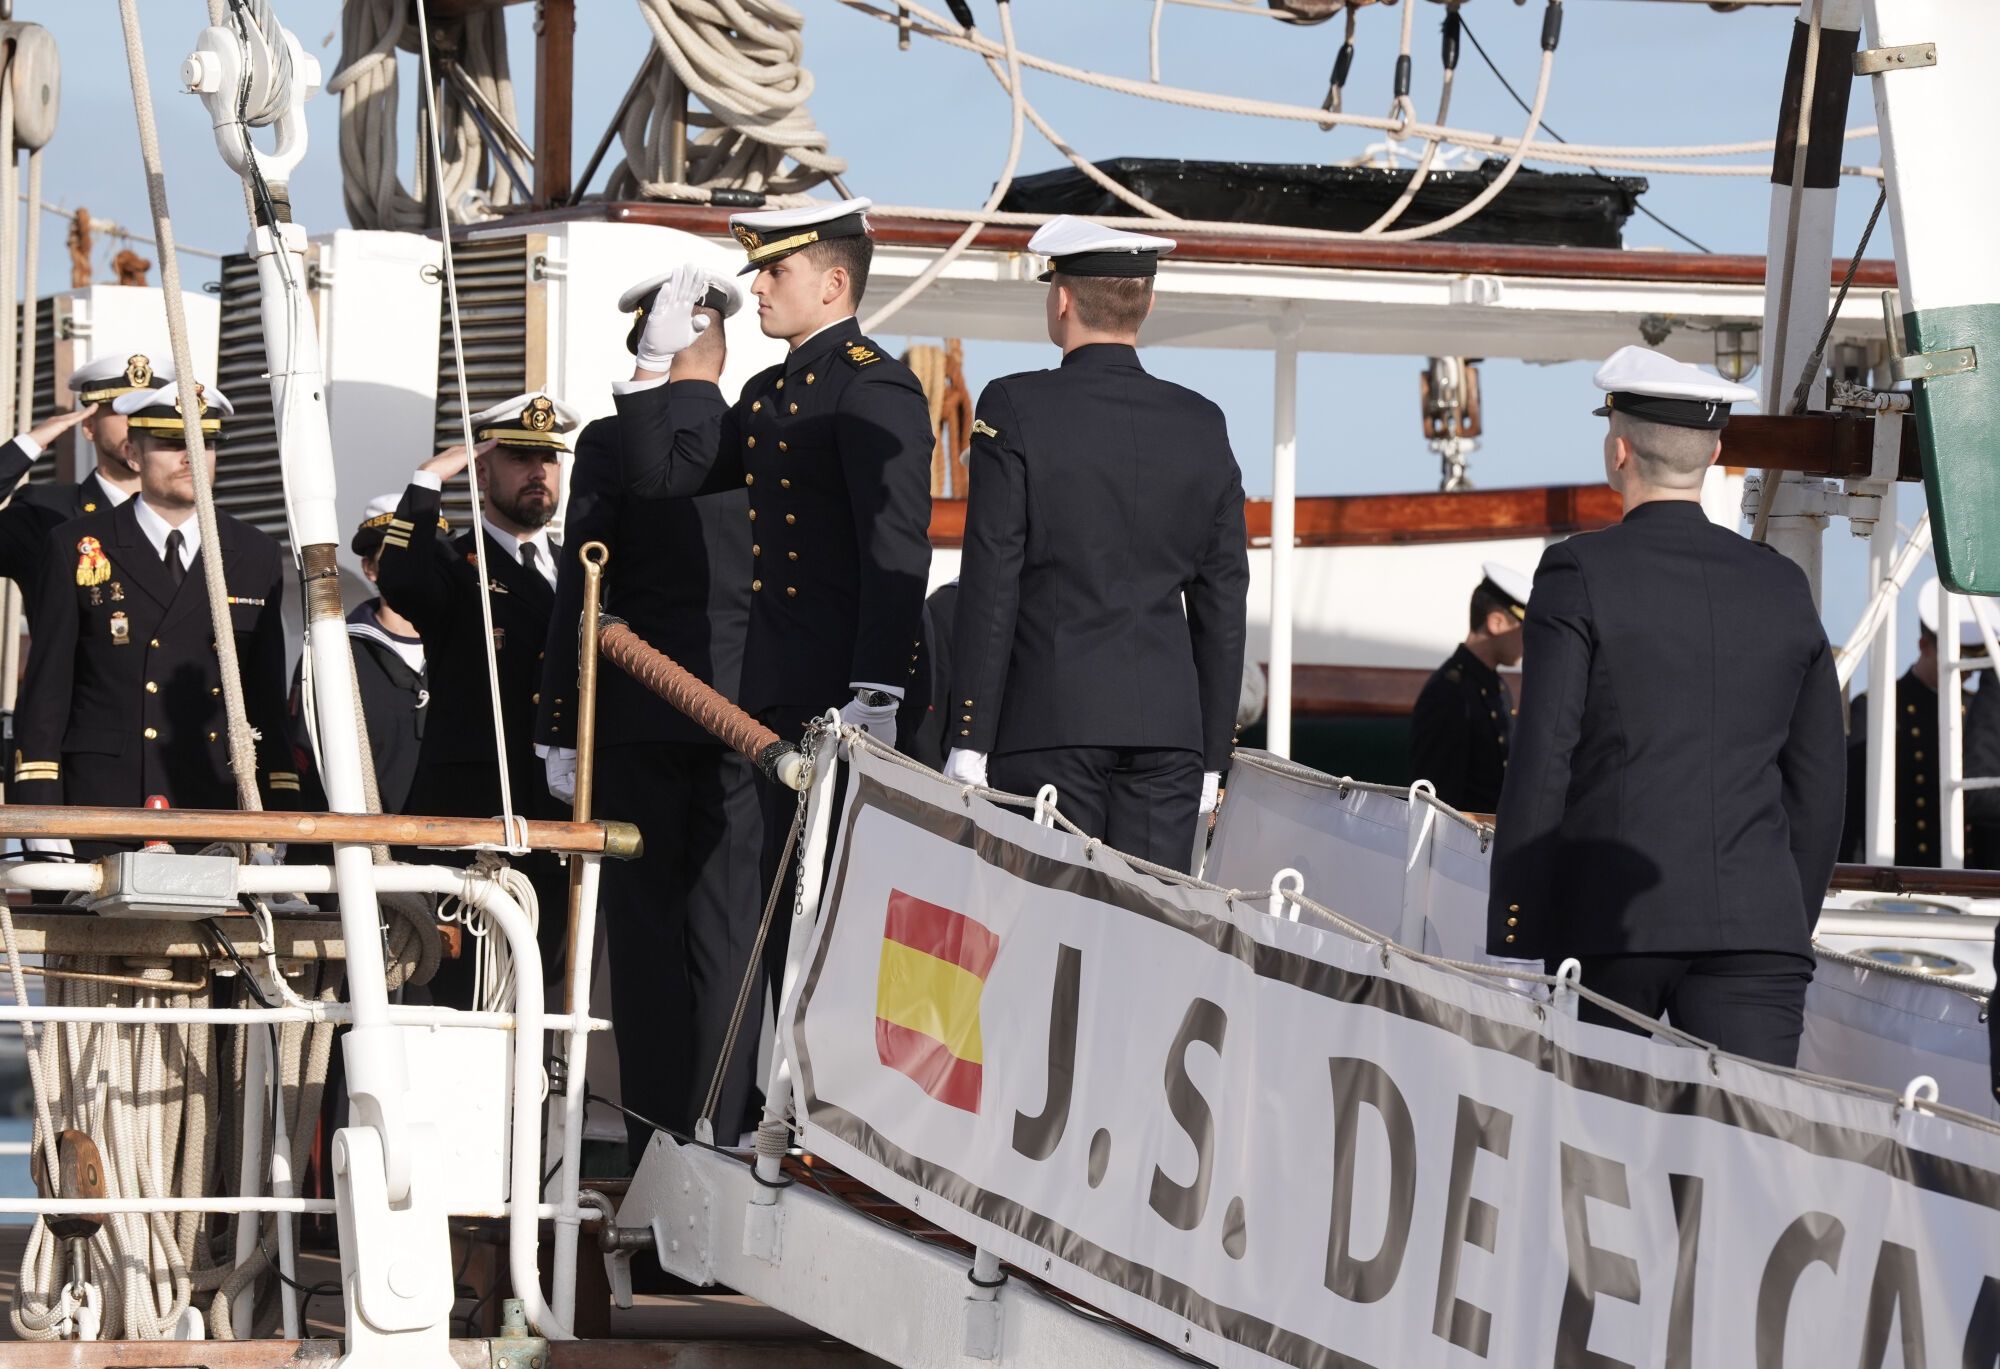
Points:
point(934, 967)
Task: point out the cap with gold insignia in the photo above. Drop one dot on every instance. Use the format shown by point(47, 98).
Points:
point(1646, 384)
point(529, 420)
point(376, 523)
point(159, 411)
point(1078, 247)
point(770, 234)
point(1971, 642)
point(721, 296)
point(115, 374)
point(1504, 582)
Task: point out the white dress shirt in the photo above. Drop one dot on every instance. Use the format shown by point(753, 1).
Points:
point(156, 529)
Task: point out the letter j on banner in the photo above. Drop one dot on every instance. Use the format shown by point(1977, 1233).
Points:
point(934, 967)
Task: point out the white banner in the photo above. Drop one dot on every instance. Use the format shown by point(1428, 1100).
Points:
point(1357, 852)
point(1266, 1143)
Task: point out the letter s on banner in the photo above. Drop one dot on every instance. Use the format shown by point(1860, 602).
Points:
point(1182, 1205)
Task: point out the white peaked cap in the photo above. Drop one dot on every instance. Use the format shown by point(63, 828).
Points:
point(1930, 614)
point(721, 295)
point(1078, 247)
point(167, 395)
point(1508, 581)
point(1653, 386)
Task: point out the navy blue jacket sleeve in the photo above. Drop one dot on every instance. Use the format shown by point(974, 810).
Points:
point(1217, 601)
point(418, 574)
point(989, 575)
point(882, 433)
point(1557, 645)
point(43, 714)
point(678, 439)
point(1814, 765)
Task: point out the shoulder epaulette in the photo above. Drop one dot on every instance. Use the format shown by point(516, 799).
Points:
point(860, 354)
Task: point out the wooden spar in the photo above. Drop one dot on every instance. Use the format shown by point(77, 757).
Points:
point(555, 80)
point(1904, 879)
point(619, 840)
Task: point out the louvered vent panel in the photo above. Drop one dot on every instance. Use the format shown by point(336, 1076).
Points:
point(43, 471)
point(493, 311)
point(248, 482)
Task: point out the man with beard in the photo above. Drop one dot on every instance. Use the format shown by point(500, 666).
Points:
point(435, 584)
point(37, 510)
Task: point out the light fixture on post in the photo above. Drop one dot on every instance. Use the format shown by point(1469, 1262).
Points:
point(1737, 349)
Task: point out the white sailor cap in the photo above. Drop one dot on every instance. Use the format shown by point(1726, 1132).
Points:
point(530, 420)
point(1650, 385)
point(1078, 247)
point(768, 234)
point(1970, 640)
point(1504, 582)
point(113, 374)
point(721, 296)
point(159, 411)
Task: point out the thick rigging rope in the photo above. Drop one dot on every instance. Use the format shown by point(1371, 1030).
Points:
point(242, 742)
point(741, 59)
point(515, 828)
point(372, 33)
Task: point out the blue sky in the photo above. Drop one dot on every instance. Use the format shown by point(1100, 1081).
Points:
point(929, 126)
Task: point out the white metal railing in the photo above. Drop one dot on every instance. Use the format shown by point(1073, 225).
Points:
point(1953, 783)
point(527, 1023)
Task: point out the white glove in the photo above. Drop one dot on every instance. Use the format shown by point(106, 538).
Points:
point(560, 766)
point(877, 722)
point(50, 846)
point(966, 767)
point(672, 323)
point(1211, 786)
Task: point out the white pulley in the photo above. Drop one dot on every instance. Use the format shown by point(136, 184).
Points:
point(35, 71)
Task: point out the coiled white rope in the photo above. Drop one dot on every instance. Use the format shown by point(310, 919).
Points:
point(372, 32)
point(741, 59)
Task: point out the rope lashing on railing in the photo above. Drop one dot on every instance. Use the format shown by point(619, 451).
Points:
point(666, 677)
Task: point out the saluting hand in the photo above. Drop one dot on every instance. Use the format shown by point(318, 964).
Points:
point(673, 322)
point(454, 459)
point(49, 429)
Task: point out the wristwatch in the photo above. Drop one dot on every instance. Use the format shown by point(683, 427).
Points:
point(875, 698)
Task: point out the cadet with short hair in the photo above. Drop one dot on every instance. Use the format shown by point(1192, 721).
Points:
point(1099, 629)
point(435, 585)
point(1463, 722)
point(833, 446)
point(37, 510)
point(1672, 809)
point(123, 699)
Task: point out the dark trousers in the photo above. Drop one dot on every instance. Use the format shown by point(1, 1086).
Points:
point(1749, 1003)
point(679, 923)
point(1141, 802)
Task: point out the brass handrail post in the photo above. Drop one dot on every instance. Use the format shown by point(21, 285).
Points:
point(594, 555)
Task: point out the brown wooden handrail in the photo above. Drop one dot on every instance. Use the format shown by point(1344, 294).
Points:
point(619, 840)
point(1913, 879)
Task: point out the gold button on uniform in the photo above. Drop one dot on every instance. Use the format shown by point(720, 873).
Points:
point(784, 446)
point(795, 408)
point(1513, 922)
point(534, 698)
point(212, 737)
point(784, 484)
point(810, 377)
point(756, 584)
point(155, 644)
point(756, 550)
point(1512, 907)
point(791, 518)
point(753, 515)
point(791, 556)
point(791, 593)
point(152, 687)
point(781, 382)
point(1510, 938)
point(756, 407)
point(749, 479)
point(749, 441)
point(152, 734)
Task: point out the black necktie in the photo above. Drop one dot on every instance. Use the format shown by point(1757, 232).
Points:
point(176, 572)
point(531, 557)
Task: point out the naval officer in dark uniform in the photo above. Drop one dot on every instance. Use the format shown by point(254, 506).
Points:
point(1463, 722)
point(122, 699)
point(435, 584)
point(680, 921)
point(1099, 631)
point(832, 447)
point(1672, 810)
point(36, 510)
point(1919, 803)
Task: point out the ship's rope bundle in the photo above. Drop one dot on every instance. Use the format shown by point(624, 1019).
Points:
point(372, 33)
point(741, 59)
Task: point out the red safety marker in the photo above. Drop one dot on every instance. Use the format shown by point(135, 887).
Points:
point(157, 801)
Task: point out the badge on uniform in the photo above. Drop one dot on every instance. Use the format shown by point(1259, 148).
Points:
point(499, 638)
point(93, 567)
point(121, 630)
point(981, 427)
point(861, 356)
